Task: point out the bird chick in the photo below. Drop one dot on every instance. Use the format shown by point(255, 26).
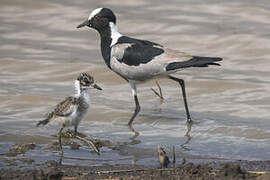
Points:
point(163, 158)
point(71, 111)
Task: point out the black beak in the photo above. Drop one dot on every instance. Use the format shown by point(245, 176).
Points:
point(97, 87)
point(85, 23)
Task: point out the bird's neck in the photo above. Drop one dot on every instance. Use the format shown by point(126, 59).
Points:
point(77, 88)
point(115, 35)
point(79, 92)
point(82, 94)
point(85, 96)
point(109, 37)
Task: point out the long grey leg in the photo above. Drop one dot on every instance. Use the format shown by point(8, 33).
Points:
point(182, 84)
point(60, 142)
point(137, 108)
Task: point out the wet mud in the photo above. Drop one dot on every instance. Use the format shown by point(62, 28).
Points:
point(189, 171)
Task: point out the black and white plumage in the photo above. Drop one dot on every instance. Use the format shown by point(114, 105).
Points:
point(140, 60)
point(71, 111)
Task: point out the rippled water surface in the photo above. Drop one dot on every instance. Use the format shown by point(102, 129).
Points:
point(42, 52)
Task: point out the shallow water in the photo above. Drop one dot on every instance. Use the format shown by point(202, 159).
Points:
point(42, 52)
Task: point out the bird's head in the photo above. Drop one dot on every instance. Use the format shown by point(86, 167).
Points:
point(160, 150)
point(86, 81)
point(99, 19)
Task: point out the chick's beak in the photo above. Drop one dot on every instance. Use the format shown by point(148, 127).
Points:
point(97, 87)
point(85, 23)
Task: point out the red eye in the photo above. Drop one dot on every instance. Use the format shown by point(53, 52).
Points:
point(97, 17)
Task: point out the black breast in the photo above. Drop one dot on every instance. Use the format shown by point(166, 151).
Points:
point(106, 41)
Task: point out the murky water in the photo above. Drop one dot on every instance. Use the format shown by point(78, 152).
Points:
point(42, 52)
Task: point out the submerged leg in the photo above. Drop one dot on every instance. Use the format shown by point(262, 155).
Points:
point(182, 84)
point(137, 108)
point(60, 142)
point(160, 91)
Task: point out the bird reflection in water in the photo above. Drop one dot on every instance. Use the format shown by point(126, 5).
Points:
point(133, 138)
point(188, 136)
point(60, 159)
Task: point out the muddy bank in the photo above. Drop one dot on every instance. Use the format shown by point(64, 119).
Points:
point(18, 163)
point(226, 171)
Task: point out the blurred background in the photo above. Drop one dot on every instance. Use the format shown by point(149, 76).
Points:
point(42, 52)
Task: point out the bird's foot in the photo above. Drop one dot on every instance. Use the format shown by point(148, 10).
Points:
point(189, 121)
point(61, 153)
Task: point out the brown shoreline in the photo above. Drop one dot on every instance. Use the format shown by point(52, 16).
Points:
point(228, 170)
point(24, 167)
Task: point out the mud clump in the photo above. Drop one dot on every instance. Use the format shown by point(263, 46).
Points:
point(101, 143)
point(16, 149)
point(233, 171)
point(69, 134)
point(69, 139)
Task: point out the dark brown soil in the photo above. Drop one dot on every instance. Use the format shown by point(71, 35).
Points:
point(54, 170)
point(189, 171)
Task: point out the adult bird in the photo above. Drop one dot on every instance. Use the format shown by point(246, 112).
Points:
point(138, 60)
point(71, 111)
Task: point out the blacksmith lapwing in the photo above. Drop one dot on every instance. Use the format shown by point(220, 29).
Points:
point(138, 60)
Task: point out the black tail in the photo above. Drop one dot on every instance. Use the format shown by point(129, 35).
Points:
point(45, 121)
point(195, 61)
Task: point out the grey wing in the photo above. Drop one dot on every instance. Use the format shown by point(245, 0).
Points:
point(171, 56)
point(66, 107)
point(151, 68)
